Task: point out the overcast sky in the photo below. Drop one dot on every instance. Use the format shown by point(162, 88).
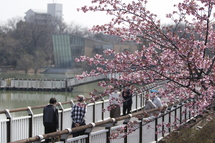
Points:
point(16, 8)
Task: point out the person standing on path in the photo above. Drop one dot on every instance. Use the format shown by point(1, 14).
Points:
point(114, 103)
point(50, 117)
point(127, 101)
point(78, 115)
point(149, 105)
point(155, 99)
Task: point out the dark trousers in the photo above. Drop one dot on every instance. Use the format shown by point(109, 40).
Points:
point(126, 109)
point(49, 129)
point(79, 132)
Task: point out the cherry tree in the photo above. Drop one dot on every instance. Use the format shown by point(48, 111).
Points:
point(182, 53)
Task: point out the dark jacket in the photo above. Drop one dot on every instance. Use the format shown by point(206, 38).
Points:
point(50, 116)
point(127, 98)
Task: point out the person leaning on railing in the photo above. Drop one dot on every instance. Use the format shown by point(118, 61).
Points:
point(78, 114)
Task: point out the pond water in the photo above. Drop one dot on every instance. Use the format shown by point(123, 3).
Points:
point(19, 99)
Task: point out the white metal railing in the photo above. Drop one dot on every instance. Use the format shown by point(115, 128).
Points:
point(151, 133)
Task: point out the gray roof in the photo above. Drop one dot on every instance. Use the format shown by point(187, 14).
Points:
point(39, 11)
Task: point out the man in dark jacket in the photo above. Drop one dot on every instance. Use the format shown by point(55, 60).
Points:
point(127, 101)
point(50, 117)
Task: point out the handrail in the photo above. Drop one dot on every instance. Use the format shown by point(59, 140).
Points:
point(91, 125)
point(76, 129)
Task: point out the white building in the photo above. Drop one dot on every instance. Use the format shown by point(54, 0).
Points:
point(53, 10)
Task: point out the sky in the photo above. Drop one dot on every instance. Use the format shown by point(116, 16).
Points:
point(10, 9)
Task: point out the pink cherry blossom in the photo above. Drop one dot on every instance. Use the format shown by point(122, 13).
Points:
point(181, 55)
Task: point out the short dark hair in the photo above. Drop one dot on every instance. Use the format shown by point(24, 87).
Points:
point(52, 100)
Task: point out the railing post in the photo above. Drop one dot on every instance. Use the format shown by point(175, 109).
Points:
point(62, 112)
point(136, 101)
point(8, 115)
point(65, 136)
point(141, 130)
point(175, 106)
point(185, 116)
point(88, 131)
point(30, 113)
point(163, 131)
point(181, 113)
point(94, 110)
point(126, 129)
point(170, 121)
point(143, 101)
point(103, 106)
point(108, 127)
point(156, 130)
point(66, 85)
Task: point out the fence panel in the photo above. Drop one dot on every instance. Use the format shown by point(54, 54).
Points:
point(118, 140)
point(134, 136)
point(56, 84)
point(67, 120)
point(98, 111)
point(89, 115)
point(139, 101)
point(20, 128)
point(33, 84)
point(3, 130)
point(38, 128)
point(47, 84)
point(106, 113)
point(3, 83)
point(166, 120)
point(99, 136)
point(173, 119)
point(178, 115)
point(148, 132)
point(134, 103)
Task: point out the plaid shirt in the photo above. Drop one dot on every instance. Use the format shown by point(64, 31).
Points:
point(78, 113)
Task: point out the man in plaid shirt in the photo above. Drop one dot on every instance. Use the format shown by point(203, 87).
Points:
point(78, 114)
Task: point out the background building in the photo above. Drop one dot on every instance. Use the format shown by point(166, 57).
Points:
point(53, 10)
point(67, 48)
